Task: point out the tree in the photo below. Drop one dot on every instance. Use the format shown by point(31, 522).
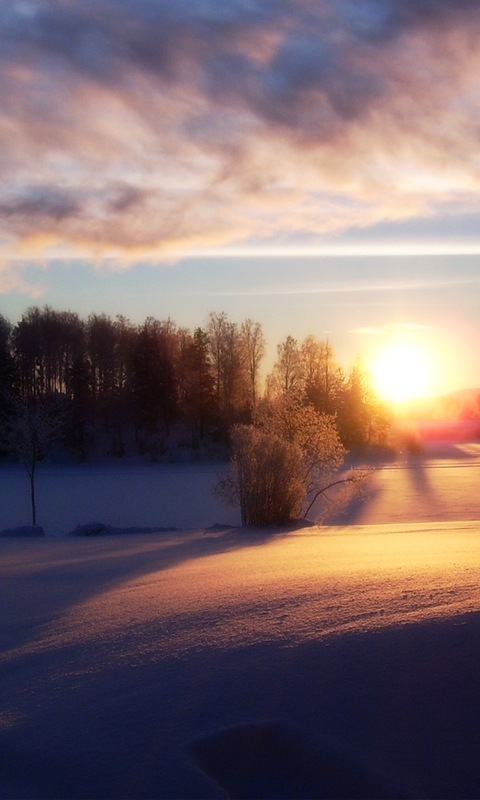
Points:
point(45, 344)
point(323, 380)
point(287, 375)
point(153, 382)
point(7, 366)
point(227, 357)
point(253, 344)
point(196, 383)
point(79, 387)
point(27, 345)
point(102, 341)
point(27, 432)
point(362, 419)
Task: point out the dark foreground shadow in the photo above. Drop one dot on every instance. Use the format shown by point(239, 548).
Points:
point(392, 713)
point(270, 760)
point(388, 714)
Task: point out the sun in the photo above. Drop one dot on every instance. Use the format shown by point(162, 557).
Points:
point(402, 372)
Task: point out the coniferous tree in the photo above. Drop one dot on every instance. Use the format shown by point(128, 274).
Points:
point(45, 343)
point(121, 378)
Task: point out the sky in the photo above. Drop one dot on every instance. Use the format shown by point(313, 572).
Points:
point(311, 164)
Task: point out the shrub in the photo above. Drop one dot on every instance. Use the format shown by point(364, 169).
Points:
point(315, 434)
point(283, 462)
point(265, 477)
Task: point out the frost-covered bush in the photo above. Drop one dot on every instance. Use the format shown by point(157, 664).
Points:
point(265, 477)
point(315, 434)
point(282, 462)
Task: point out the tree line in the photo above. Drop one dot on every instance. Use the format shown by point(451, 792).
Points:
point(160, 390)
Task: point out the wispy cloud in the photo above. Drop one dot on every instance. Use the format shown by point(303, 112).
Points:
point(349, 287)
point(391, 329)
point(132, 125)
point(369, 331)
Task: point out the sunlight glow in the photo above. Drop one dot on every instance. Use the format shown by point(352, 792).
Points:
point(402, 372)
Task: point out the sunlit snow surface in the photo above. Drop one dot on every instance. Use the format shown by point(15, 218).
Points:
point(322, 662)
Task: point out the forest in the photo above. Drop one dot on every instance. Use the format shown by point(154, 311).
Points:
point(166, 392)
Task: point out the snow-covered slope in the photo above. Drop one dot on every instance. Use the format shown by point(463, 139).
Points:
point(128, 663)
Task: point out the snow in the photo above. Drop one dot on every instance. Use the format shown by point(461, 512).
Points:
point(151, 495)
point(23, 530)
point(437, 486)
point(214, 661)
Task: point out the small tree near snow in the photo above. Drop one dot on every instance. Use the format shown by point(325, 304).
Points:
point(28, 430)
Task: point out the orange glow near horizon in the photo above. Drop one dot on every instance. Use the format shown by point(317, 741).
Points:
point(402, 371)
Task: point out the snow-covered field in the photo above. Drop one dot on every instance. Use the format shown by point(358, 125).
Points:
point(122, 496)
point(322, 662)
point(442, 485)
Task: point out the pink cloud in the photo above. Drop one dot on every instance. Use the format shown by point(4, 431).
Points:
point(170, 126)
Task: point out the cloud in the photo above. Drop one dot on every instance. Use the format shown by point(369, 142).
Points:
point(133, 125)
point(391, 329)
point(369, 331)
point(12, 279)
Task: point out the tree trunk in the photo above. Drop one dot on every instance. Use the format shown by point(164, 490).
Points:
point(32, 497)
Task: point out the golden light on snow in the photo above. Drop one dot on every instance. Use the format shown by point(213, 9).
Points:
point(402, 371)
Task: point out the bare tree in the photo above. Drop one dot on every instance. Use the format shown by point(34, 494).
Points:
point(363, 420)
point(196, 383)
point(228, 365)
point(28, 430)
point(287, 374)
point(323, 379)
point(253, 342)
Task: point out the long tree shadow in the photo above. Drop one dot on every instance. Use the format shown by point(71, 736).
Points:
point(355, 509)
point(352, 510)
point(418, 474)
point(52, 576)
